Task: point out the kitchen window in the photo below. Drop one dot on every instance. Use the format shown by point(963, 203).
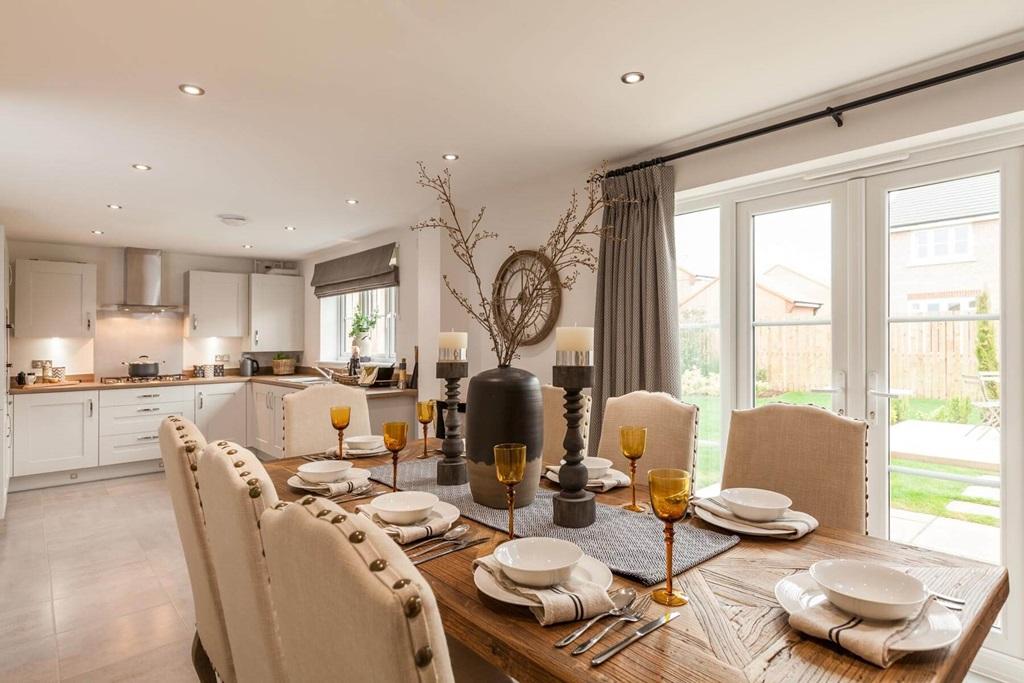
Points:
point(338, 312)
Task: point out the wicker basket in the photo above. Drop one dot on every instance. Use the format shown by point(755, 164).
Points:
point(284, 366)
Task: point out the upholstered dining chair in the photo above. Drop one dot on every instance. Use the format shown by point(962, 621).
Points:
point(351, 605)
point(180, 446)
point(235, 489)
point(812, 455)
point(554, 423)
point(671, 431)
point(307, 417)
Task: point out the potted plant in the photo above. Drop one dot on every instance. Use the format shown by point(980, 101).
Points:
point(362, 330)
point(283, 364)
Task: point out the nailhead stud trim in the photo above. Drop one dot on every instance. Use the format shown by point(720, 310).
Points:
point(232, 451)
point(194, 467)
point(243, 475)
point(378, 565)
point(238, 463)
point(424, 656)
point(357, 536)
point(253, 482)
point(255, 492)
point(322, 513)
point(413, 606)
point(180, 427)
point(308, 500)
point(222, 443)
point(401, 583)
point(338, 519)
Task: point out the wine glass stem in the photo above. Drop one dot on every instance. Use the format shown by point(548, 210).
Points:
point(394, 471)
point(511, 495)
point(341, 444)
point(632, 479)
point(670, 533)
point(425, 428)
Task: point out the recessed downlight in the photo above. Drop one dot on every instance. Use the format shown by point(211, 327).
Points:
point(97, 232)
point(142, 167)
point(190, 89)
point(632, 77)
point(351, 202)
point(246, 246)
point(290, 228)
point(450, 157)
point(115, 207)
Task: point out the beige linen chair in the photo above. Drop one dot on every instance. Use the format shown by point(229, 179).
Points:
point(813, 456)
point(554, 423)
point(180, 445)
point(671, 431)
point(351, 606)
point(307, 417)
point(235, 489)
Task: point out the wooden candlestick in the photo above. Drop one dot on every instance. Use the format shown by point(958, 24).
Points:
point(574, 506)
point(451, 470)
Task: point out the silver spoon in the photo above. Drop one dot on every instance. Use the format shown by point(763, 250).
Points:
point(622, 599)
point(456, 532)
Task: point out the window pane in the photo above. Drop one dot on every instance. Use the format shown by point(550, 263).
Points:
point(790, 361)
point(793, 264)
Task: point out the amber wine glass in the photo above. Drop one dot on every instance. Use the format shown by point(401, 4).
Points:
point(633, 444)
point(510, 464)
point(340, 416)
point(395, 437)
point(425, 413)
point(670, 495)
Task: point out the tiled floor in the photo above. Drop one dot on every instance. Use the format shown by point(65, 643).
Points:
point(93, 585)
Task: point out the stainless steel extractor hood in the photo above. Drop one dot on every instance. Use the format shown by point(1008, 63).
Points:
point(142, 290)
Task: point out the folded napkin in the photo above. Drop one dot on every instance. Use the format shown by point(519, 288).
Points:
point(355, 452)
point(406, 534)
point(797, 524)
point(337, 487)
point(612, 479)
point(571, 601)
point(870, 640)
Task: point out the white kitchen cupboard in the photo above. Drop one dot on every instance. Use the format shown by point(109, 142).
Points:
point(54, 299)
point(221, 411)
point(130, 421)
point(56, 431)
point(275, 313)
point(217, 304)
point(266, 418)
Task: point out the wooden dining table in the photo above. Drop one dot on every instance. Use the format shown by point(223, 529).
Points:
point(733, 629)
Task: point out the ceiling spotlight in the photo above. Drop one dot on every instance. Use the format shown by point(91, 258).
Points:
point(190, 89)
point(115, 207)
point(97, 232)
point(351, 202)
point(246, 246)
point(290, 228)
point(142, 167)
point(450, 157)
point(631, 77)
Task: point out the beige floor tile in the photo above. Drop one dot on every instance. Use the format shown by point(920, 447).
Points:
point(24, 580)
point(110, 552)
point(91, 606)
point(168, 664)
point(22, 538)
point(167, 561)
point(26, 623)
point(34, 661)
point(69, 582)
point(179, 590)
point(105, 643)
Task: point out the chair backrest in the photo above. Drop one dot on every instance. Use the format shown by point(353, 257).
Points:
point(554, 423)
point(327, 565)
point(235, 489)
point(810, 454)
point(307, 417)
point(671, 431)
point(180, 445)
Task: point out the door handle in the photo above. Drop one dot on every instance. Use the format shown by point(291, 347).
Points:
point(148, 410)
point(256, 338)
point(892, 393)
point(149, 395)
point(147, 438)
point(195, 322)
point(88, 321)
point(90, 408)
point(200, 397)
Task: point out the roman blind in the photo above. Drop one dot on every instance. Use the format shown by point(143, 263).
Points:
point(370, 269)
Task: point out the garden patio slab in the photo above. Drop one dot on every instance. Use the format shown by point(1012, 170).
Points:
point(965, 508)
point(945, 443)
point(957, 537)
point(984, 492)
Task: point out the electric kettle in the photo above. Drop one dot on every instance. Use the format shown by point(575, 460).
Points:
point(248, 367)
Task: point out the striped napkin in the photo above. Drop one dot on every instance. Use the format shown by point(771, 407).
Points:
point(870, 640)
point(337, 487)
point(406, 534)
point(796, 524)
point(612, 479)
point(574, 600)
point(356, 453)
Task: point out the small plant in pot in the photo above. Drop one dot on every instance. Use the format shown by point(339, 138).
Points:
point(362, 330)
point(283, 364)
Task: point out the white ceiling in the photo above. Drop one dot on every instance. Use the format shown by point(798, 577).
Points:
point(311, 102)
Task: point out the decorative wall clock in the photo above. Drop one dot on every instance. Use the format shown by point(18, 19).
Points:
point(513, 283)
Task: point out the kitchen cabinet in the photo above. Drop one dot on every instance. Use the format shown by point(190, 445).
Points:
point(266, 417)
point(54, 299)
point(130, 421)
point(217, 304)
point(55, 432)
point(275, 313)
point(221, 411)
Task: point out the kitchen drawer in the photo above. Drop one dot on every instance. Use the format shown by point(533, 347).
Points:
point(141, 418)
point(122, 448)
point(146, 394)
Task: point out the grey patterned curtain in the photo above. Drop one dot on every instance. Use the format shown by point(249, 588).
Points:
point(636, 321)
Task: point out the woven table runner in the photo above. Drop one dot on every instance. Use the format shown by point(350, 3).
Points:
point(631, 544)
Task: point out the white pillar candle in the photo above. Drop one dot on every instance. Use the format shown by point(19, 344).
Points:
point(574, 339)
point(453, 340)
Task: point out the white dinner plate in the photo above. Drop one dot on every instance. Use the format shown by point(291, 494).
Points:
point(939, 628)
point(588, 569)
point(738, 527)
point(355, 474)
point(552, 476)
point(446, 512)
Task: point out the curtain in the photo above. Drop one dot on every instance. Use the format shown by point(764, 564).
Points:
point(370, 269)
point(636, 319)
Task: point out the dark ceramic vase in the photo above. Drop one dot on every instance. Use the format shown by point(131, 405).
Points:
point(504, 405)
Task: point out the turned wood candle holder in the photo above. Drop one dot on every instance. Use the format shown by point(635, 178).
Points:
point(451, 470)
point(574, 506)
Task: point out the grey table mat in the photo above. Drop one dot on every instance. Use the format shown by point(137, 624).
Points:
point(631, 544)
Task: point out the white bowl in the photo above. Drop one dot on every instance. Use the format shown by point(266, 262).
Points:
point(596, 467)
point(869, 590)
point(364, 443)
point(323, 471)
point(404, 507)
point(757, 505)
point(538, 562)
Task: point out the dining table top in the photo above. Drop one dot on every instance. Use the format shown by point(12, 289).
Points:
point(733, 629)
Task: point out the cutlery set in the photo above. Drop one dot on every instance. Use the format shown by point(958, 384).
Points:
point(628, 609)
point(450, 542)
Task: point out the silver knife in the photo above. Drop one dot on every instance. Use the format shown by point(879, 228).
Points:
point(637, 635)
point(462, 546)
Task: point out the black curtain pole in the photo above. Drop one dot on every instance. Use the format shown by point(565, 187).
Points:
point(835, 113)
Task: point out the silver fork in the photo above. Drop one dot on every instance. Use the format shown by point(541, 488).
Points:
point(635, 613)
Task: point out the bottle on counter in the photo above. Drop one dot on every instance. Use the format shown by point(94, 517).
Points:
point(403, 377)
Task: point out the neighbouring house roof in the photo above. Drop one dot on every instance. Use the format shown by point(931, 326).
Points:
point(950, 200)
point(793, 286)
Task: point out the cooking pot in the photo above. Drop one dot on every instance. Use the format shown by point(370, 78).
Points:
point(143, 367)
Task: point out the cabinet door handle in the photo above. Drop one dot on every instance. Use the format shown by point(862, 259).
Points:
point(256, 338)
point(149, 410)
point(88, 321)
point(149, 395)
point(147, 438)
point(90, 408)
point(200, 397)
point(195, 322)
